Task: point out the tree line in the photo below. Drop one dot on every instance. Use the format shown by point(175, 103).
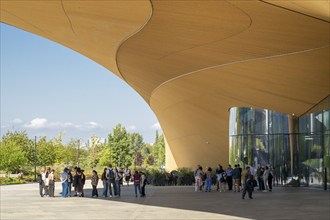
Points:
point(19, 153)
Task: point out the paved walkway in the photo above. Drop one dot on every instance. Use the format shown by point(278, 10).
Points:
point(176, 202)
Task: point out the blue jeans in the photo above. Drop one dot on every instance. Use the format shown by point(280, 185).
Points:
point(136, 188)
point(208, 184)
point(65, 189)
point(112, 182)
point(105, 188)
point(117, 182)
point(69, 188)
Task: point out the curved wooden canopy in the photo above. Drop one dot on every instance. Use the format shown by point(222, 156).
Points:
point(193, 60)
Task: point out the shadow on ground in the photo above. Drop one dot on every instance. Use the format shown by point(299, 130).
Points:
point(282, 203)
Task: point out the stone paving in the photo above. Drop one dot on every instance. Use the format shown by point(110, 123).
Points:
point(170, 202)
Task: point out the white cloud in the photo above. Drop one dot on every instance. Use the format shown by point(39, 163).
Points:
point(37, 123)
point(131, 128)
point(93, 125)
point(62, 125)
point(42, 123)
point(17, 121)
point(156, 126)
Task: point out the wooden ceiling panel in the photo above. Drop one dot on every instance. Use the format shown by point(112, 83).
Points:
point(194, 60)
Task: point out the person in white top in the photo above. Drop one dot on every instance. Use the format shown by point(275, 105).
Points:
point(265, 178)
point(127, 175)
point(197, 177)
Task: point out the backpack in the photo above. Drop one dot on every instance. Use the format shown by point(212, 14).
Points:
point(249, 182)
point(270, 175)
point(223, 177)
point(40, 181)
point(111, 175)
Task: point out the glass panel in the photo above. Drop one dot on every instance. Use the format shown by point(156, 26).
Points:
point(261, 122)
point(261, 149)
point(263, 137)
point(233, 121)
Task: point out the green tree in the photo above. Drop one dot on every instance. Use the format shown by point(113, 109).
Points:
point(136, 145)
point(46, 154)
point(69, 153)
point(149, 160)
point(161, 151)
point(94, 151)
point(14, 151)
point(146, 150)
point(147, 155)
point(105, 158)
point(158, 150)
point(119, 143)
point(59, 149)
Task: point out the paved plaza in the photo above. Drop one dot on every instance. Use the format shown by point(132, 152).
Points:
point(170, 202)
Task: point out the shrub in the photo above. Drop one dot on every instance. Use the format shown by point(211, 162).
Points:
point(9, 180)
point(185, 176)
point(159, 178)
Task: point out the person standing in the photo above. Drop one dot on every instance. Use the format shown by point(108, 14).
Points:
point(74, 186)
point(46, 181)
point(64, 180)
point(94, 181)
point(236, 178)
point(218, 176)
point(208, 180)
point(137, 182)
point(197, 178)
point(240, 177)
point(247, 179)
point(202, 178)
point(144, 182)
point(51, 184)
point(118, 179)
point(127, 175)
point(105, 183)
point(70, 180)
point(83, 181)
point(270, 180)
point(41, 183)
point(222, 179)
point(111, 179)
point(260, 173)
point(265, 179)
point(229, 174)
point(78, 182)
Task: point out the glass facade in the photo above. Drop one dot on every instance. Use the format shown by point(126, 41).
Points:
point(297, 149)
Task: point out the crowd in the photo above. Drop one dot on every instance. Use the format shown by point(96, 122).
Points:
point(236, 179)
point(112, 180)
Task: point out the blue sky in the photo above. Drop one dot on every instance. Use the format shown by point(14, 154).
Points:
point(47, 88)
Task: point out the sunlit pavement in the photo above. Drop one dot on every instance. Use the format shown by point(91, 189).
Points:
point(170, 202)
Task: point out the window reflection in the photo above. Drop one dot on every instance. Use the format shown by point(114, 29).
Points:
point(259, 136)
